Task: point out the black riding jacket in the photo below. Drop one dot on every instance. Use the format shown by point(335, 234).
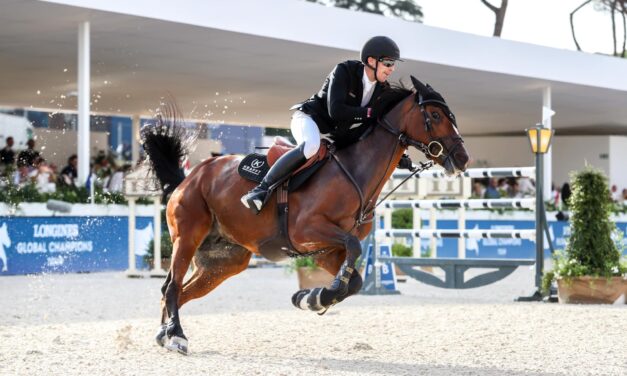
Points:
point(337, 106)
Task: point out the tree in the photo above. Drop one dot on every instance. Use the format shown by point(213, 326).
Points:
point(404, 9)
point(499, 13)
point(613, 7)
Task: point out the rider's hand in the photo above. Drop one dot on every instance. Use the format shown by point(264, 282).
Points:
point(405, 163)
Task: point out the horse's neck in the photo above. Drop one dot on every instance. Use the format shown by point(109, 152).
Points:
point(373, 160)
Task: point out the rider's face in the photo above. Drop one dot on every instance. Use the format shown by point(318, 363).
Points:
point(383, 71)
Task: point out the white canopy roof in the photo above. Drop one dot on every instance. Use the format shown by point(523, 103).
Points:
point(248, 61)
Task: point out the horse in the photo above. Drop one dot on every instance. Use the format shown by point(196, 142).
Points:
point(5, 241)
point(328, 215)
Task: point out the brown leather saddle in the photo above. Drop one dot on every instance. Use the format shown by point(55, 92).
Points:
point(255, 166)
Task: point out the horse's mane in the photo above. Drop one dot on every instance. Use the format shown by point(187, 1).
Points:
point(390, 97)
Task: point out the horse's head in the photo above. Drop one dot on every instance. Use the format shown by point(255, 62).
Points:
point(425, 121)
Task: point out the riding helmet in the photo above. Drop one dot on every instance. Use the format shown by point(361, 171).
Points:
point(378, 47)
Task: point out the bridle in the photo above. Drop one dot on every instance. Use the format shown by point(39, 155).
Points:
point(435, 148)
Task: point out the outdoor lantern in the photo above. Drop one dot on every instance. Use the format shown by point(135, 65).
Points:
point(540, 136)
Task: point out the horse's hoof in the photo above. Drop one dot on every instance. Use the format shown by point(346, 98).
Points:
point(161, 335)
point(299, 297)
point(177, 344)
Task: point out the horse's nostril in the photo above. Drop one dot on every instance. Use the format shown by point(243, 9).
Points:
point(461, 159)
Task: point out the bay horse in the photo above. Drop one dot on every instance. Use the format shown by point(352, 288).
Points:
point(329, 214)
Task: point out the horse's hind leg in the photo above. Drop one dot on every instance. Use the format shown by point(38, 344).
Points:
point(214, 262)
point(213, 266)
point(188, 224)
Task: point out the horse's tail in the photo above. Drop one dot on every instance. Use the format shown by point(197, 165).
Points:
point(167, 142)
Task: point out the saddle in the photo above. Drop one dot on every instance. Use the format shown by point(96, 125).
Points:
point(255, 166)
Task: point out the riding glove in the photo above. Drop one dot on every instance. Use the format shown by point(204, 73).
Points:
point(405, 163)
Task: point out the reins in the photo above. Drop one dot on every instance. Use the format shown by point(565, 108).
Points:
point(434, 149)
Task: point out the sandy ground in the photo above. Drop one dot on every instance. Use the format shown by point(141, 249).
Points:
point(103, 324)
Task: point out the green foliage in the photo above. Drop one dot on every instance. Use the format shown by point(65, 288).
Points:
point(590, 249)
point(301, 262)
point(590, 243)
point(14, 195)
point(405, 9)
point(166, 247)
point(401, 250)
point(403, 218)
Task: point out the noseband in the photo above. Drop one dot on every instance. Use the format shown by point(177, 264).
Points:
point(436, 147)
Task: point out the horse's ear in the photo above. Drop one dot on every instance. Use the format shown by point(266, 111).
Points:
point(419, 86)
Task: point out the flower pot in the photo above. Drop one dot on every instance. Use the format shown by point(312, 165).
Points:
point(309, 278)
point(590, 290)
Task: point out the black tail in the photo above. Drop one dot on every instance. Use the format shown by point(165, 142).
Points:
point(166, 142)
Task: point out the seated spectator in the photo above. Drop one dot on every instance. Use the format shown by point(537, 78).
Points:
point(565, 194)
point(614, 194)
point(625, 196)
point(43, 176)
point(526, 186)
point(514, 190)
point(69, 173)
point(116, 182)
point(7, 155)
point(478, 190)
point(503, 187)
point(28, 156)
point(491, 191)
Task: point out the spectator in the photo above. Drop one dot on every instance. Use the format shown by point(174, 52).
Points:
point(69, 173)
point(478, 190)
point(624, 196)
point(7, 155)
point(526, 186)
point(503, 187)
point(44, 176)
point(28, 156)
point(615, 195)
point(514, 189)
point(491, 191)
point(565, 194)
point(116, 182)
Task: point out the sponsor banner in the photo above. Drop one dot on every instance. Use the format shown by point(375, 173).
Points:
point(69, 244)
point(502, 247)
point(386, 269)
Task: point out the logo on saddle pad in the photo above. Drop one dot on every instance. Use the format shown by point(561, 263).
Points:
point(254, 167)
point(257, 164)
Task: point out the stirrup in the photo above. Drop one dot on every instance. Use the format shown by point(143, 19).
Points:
point(254, 203)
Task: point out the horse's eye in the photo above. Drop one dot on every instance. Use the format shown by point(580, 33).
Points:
point(435, 115)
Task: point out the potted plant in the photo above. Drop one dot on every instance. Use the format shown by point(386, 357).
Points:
point(589, 270)
point(166, 251)
point(309, 274)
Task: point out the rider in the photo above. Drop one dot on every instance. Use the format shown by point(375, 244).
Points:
point(343, 102)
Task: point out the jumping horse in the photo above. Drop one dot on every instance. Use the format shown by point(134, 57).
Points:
point(328, 215)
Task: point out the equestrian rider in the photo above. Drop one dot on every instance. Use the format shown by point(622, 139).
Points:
point(336, 111)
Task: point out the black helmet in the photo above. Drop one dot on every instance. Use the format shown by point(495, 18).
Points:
point(378, 47)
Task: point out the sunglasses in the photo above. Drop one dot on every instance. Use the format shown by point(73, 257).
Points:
point(389, 63)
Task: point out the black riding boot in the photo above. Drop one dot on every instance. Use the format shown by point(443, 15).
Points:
point(288, 162)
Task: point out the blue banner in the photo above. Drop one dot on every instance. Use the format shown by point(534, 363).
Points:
point(502, 247)
point(386, 270)
point(69, 244)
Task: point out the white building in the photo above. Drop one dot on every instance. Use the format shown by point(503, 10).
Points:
point(247, 61)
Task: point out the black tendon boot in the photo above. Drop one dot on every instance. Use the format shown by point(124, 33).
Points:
point(282, 168)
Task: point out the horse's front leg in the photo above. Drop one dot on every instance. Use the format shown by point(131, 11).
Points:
point(347, 280)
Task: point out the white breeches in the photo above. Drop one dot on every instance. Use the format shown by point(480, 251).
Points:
point(305, 130)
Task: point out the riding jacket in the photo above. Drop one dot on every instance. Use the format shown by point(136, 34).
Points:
point(336, 108)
